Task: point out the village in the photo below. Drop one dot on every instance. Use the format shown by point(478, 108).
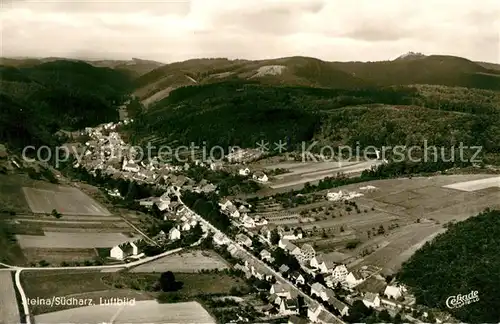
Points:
point(265, 250)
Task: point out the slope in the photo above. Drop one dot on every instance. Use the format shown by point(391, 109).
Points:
point(39, 100)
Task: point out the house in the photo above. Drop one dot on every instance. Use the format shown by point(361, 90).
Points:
point(220, 239)
point(371, 300)
point(320, 315)
point(281, 290)
point(260, 176)
point(306, 253)
point(339, 273)
point(319, 290)
point(244, 172)
point(394, 292)
point(322, 264)
point(243, 240)
point(341, 307)
point(130, 166)
point(124, 250)
point(353, 279)
point(174, 234)
point(224, 205)
point(292, 235)
point(283, 269)
point(298, 278)
point(288, 246)
point(248, 221)
point(266, 255)
point(266, 232)
point(289, 306)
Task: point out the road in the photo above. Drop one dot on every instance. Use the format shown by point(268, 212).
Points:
point(307, 298)
point(102, 267)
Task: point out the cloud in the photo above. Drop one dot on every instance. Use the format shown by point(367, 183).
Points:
point(178, 30)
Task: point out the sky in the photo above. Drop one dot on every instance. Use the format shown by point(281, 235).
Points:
point(331, 30)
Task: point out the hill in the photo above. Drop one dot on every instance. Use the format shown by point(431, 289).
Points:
point(463, 259)
point(243, 113)
point(412, 68)
point(41, 99)
point(134, 67)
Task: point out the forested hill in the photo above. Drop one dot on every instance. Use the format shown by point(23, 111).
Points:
point(240, 113)
point(38, 100)
point(463, 259)
point(311, 72)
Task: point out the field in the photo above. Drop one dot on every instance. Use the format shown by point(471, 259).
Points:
point(141, 312)
point(389, 222)
point(11, 194)
point(425, 205)
point(56, 256)
point(191, 261)
point(9, 311)
point(302, 172)
point(66, 200)
point(82, 285)
point(58, 240)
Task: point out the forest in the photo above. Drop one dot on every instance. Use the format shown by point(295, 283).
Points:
point(461, 260)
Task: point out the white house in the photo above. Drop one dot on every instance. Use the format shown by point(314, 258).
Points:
point(288, 246)
point(298, 278)
point(341, 307)
point(130, 166)
point(394, 292)
point(124, 250)
point(340, 273)
point(260, 176)
point(174, 234)
point(322, 264)
point(266, 255)
point(243, 240)
point(320, 315)
point(281, 290)
point(244, 172)
point(306, 254)
point(248, 221)
point(353, 279)
point(371, 300)
point(292, 235)
point(289, 306)
point(220, 239)
point(319, 290)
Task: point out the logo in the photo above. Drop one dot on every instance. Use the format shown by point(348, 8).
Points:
point(462, 300)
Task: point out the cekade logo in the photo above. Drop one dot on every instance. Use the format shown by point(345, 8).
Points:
point(462, 300)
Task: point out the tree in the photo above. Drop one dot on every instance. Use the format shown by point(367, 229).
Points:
point(381, 230)
point(397, 319)
point(167, 282)
point(384, 316)
point(56, 214)
point(275, 237)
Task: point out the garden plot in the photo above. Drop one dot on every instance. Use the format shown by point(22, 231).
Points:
point(57, 240)
point(140, 312)
point(191, 261)
point(66, 200)
point(475, 185)
point(9, 311)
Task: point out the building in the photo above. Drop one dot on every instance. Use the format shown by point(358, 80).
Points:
point(122, 251)
point(306, 254)
point(288, 246)
point(353, 279)
point(341, 307)
point(292, 235)
point(298, 278)
point(244, 172)
point(260, 176)
point(319, 290)
point(294, 319)
point(281, 290)
point(394, 292)
point(266, 256)
point(371, 300)
point(174, 234)
point(339, 273)
point(283, 269)
point(289, 306)
point(220, 239)
point(322, 264)
point(243, 240)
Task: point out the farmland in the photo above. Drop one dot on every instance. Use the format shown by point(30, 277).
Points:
point(390, 221)
point(190, 261)
point(141, 312)
point(9, 311)
point(66, 200)
point(58, 240)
